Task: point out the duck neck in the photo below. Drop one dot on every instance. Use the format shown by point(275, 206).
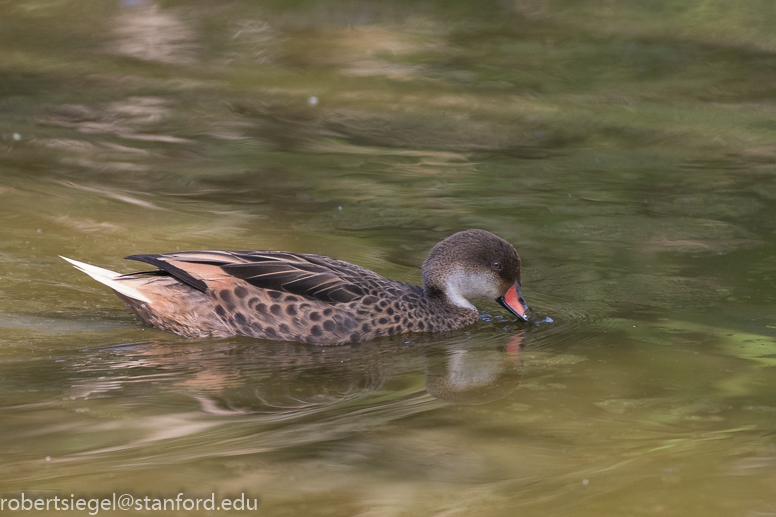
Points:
point(445, 314)
point(460, 286)
point(454, 292)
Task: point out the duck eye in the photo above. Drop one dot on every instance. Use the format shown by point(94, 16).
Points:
point(496, 265)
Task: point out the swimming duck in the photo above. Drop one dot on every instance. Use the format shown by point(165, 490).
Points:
point(315, 299)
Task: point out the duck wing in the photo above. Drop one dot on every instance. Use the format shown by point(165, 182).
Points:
point(312, 276)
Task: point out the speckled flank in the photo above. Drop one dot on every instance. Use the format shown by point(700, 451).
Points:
point(319, 300)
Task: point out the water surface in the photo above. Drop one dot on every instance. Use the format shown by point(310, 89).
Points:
point(626, 150)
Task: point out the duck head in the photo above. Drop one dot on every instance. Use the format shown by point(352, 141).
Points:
point(475, 264)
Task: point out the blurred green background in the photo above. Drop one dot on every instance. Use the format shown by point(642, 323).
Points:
point(627, 149)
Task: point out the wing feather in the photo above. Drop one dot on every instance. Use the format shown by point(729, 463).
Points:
point(311, 276)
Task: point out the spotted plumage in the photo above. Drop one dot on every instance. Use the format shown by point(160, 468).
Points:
point(316, 299)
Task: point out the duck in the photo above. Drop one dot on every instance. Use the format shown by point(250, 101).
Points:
point(307, 298)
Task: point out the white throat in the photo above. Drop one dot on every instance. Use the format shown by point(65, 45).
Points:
point(462, 285)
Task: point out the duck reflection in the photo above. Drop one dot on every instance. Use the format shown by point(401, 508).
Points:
point(237, 377)
point(474, 375)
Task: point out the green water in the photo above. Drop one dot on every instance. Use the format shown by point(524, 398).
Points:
point(627, 150)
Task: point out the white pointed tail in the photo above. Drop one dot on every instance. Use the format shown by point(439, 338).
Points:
point(108, 277)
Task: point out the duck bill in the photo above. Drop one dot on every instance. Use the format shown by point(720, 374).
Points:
point(513, 302)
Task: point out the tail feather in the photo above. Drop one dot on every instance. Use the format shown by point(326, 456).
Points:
point(108, 277)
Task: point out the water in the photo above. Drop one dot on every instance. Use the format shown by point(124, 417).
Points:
point(626, 150)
